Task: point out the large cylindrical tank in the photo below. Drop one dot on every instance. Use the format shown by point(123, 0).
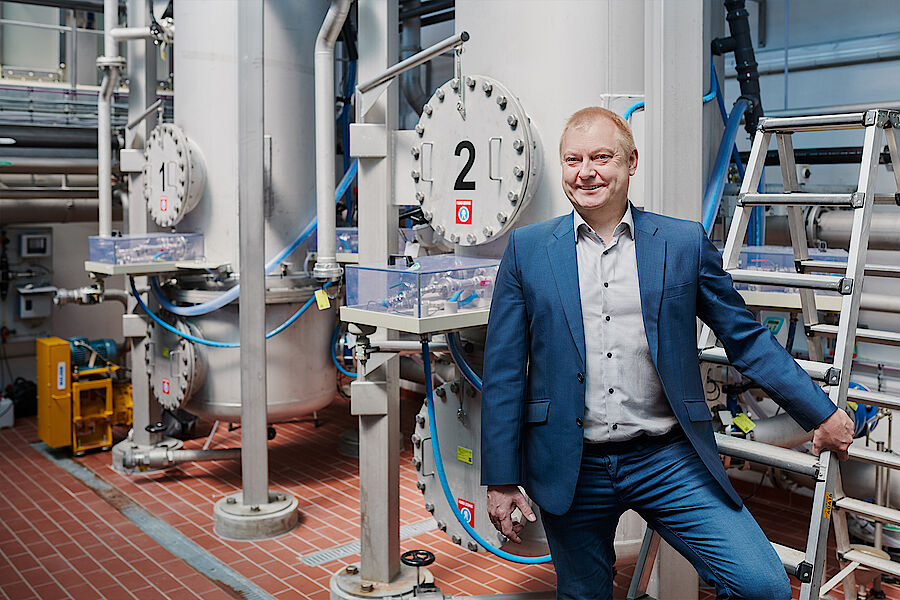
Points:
point(300, 374)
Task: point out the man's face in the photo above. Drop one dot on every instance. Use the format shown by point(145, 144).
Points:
point(595, 170)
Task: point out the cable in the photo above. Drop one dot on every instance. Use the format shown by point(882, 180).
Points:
point(460, 359)
point(232, 294)
point(334, 359)
point(442, 477)
point(213, 343)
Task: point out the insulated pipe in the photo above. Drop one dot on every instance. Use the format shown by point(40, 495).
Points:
point(47, 166)
point(781, 430)
point(130, 33)
point(327, 267)
point(73, 210)
point(110, 63)
point(833, 228)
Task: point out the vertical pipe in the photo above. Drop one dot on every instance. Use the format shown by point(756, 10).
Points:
point(255, 463)
point(327, 267)
point(104, 118)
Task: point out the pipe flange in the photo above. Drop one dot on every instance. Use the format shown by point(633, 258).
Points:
point(174, 174)
point(110, 62)
point(328, 271)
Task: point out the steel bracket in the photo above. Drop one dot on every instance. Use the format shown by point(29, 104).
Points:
point(857, 199)
point(833, 376)
point(804, 572)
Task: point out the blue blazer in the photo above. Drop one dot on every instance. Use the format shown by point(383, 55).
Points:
point(533, 397)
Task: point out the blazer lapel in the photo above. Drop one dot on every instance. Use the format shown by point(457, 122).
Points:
point(650, 249)
point(564, 265)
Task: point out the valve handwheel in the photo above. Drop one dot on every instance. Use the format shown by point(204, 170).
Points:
point(417, 558)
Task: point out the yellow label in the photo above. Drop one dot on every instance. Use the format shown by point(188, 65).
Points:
point(165, 352)
point(464, 455)
point(851, 404)
point(744, 423)
point(322, 300)
point(826, 513)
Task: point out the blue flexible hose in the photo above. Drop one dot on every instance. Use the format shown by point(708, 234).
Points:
point(334, 359)
point(442, 476)
point(716, 185)
point(232, 294)
point(212, 343)
point(708, 97)
point(630, 110)
point(460, 359)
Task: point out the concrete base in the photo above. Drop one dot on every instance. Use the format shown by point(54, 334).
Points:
point(126, 446)
point(346, 584)
point(234, 520)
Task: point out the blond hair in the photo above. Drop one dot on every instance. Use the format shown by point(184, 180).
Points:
point(588, 116)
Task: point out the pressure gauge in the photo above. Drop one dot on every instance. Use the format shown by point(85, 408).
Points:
point(476, 158)
point(174, 175)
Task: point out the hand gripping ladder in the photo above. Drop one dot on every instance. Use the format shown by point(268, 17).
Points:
point(808, 565)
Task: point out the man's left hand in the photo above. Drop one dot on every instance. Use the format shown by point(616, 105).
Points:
point(834, 433)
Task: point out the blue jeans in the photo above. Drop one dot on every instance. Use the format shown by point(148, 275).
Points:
point(668, 485)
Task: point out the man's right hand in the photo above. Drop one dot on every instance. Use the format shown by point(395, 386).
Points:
point(502, 500)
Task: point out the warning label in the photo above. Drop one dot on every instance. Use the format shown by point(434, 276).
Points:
point(467, 509)
point(463, 212)
point(163, 203)
point(165, 385)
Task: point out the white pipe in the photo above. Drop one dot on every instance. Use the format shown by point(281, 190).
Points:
point(781, 430)
point(326, 267)
point(131, 33)
point(104, 117)
point(110, 20)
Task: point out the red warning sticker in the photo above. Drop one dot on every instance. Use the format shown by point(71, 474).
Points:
point(468, 511)
point(163, 203)
point(165, 385)
point(463, 212)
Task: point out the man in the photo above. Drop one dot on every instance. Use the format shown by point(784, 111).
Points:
point(593, 399)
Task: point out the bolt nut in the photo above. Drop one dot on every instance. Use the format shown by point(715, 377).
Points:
point(420, 485)
point(456, 539)
point(502, 217)
point(416, 439)
point(512, 121)
point(487, 87)
point(518, 145)
point(231, 501)
point(415, 152)
point(454, 238)
point(351, 570)
point(440, 95)
point(428, 215)
point(420, 419)
point(441, 392)
point(501, 102)
point(417, 462)
point(471, 238)
point(415, 175)
point(470, 82)
point(488, 232)
point(454, 83)
point(420, 197)
point(429, 507)
point(254, 509)
point(442, 526)
point(420, 129)
point(366, 587)
point(472, 546)
point(513, 197)
point(518, 172)
point(454, 387)
point(427, 110)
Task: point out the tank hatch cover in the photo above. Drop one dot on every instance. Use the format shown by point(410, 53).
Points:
point(174, 175)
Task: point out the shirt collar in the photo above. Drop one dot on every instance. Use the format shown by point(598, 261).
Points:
point(625, 225)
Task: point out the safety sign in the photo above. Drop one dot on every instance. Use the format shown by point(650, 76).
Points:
point(463, 212)
point(467, 509)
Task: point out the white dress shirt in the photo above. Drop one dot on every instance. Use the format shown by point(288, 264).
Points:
point(624, 397)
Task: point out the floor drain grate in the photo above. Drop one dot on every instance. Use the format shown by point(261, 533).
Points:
point(315, 559)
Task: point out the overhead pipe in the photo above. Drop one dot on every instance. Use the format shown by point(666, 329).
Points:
point(73, 210)
point(47, 166)
point(741, 44)
point(327, 267)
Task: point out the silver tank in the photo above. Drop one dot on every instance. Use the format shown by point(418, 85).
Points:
point(300, 374)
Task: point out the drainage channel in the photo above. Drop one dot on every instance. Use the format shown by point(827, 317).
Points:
point(315, 559)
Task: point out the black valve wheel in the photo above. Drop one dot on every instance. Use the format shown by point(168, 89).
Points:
point(417, 558)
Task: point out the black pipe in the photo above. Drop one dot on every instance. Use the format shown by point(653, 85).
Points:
point(745, 62)
point(48, 136)
point(426, 8)
point(840, 155)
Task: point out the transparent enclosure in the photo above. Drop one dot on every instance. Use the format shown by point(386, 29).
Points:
point(146, 248)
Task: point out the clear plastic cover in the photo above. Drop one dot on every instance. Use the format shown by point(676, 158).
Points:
point(146, 248)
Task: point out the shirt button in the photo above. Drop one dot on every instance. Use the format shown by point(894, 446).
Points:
point(607, 317)
point(578, 421)
point(605, 284)
point(580, 377)
point(615, 425)
point(609, 355)
point(610, 390)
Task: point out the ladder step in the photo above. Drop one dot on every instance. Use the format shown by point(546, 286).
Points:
point(874, 562)
point(867, 509)
point(874, 336)
point(817, 370)
point(794, 562)
point(878, 399)
point(765, 454)
point(834, 266)
point(813, 123)
point(883, 459)
point(854, 200)
point(844, 285)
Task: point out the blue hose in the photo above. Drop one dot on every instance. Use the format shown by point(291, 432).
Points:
point(345, 133)
point(212, 343)
point(460, 359)
point(716, 185)
point(708, 97)
point(630, 110)
point(232, 294)
point(334, 359)
point(442, 477)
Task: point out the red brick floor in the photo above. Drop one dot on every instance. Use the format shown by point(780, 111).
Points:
point(60, 539)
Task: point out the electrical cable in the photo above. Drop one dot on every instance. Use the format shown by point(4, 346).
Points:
point(213, 343)
point(334, 359)
point(232, 294)
point(453, 343)
point(442, 476)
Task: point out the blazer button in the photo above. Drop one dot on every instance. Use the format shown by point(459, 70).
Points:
point(580, 377)
point(578, 421)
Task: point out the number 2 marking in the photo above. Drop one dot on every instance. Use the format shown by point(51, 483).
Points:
point(461, 183)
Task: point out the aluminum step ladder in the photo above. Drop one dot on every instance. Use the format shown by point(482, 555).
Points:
point(808, 564)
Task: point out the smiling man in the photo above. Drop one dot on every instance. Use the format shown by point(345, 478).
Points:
point(593, 400)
